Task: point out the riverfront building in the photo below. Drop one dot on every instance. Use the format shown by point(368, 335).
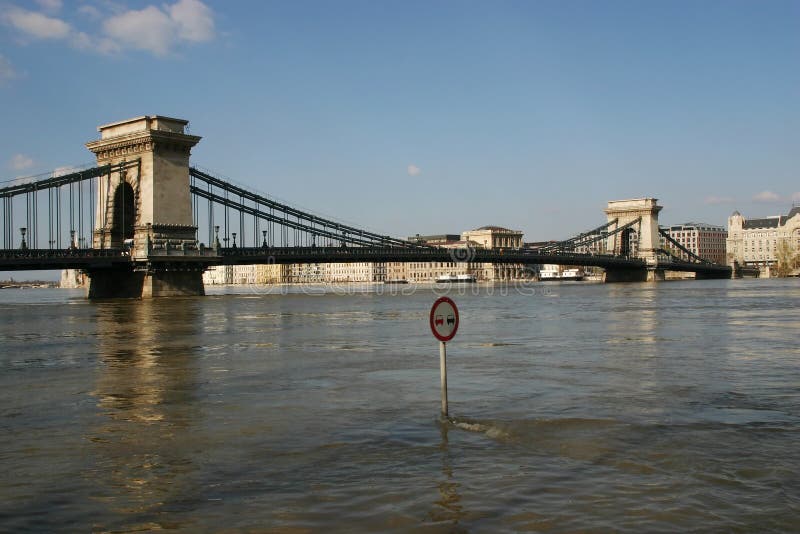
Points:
point(757, 242)
point(494, 237)
point(429, 271)
point(244, 274)
point(497, 237)
point(704, 240)
point(462, 247)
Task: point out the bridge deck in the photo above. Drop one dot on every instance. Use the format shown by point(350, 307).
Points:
point(41, 259)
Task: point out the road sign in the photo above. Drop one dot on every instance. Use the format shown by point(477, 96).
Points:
point(444, 319)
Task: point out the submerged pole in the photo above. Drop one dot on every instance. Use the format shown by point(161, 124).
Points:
point(443, 370)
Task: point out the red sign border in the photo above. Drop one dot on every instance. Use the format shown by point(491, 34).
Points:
point(455, 328)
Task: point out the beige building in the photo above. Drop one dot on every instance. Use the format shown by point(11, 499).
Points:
point(429, 271)
point(756, 241)
point(244, 274)
point(704, 240)
point(396, 271)
point(356, 272)
point(496, 237)
point(325, 273)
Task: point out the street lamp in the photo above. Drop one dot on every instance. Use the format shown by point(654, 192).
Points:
point(23, 245)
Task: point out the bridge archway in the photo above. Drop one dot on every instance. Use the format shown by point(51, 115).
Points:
point(627, 244)
point(123, 215)
point(641, 242)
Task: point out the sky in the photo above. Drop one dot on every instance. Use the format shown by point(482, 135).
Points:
point(429, 117)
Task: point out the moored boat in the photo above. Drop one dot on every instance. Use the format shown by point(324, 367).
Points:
point(457, 279)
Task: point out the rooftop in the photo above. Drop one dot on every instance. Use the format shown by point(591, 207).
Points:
point(698, 225)
point(497, 229)
point(771, 222)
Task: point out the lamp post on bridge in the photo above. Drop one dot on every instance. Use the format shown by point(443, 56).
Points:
point(23, 245)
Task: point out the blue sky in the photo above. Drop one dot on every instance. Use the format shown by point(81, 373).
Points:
point(433, 116)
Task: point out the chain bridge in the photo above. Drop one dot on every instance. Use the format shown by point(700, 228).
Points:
point(143, 222)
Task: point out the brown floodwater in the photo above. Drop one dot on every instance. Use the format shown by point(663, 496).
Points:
point(575, 407)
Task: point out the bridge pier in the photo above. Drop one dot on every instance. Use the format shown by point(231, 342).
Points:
point(127, 284)
point(625, 275)
point(114, 283)
point(656, 275)
point(173, 284)
point(718, 275)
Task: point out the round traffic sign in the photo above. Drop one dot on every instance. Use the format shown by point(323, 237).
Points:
point(444, 319)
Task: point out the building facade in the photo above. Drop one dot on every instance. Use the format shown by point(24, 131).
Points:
point(245, 274)
point(757, 242)
point(496, 237)
point(704, 240)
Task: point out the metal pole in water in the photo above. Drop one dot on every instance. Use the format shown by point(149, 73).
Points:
point(443, 370)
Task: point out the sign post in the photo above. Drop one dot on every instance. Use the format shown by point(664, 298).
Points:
point(444, 324)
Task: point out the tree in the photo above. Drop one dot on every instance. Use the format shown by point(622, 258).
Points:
point(788, 258)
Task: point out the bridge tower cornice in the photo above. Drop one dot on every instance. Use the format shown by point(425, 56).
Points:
point(142, 142)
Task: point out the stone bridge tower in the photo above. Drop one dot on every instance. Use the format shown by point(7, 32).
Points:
point(150, 200)
point(147, 207)
point(640, 240)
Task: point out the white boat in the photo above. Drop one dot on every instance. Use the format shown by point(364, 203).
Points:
point(456, 279)
point(572, 274)
point(550, 273)
point(553, 273)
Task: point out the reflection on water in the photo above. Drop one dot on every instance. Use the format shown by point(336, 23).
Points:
point(448, 507)
point(632, 407)
point(144, 389)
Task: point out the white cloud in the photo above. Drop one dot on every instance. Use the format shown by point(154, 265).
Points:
point(37, 25)
point(194, 20)
point(90, 11)
point(413, 170)
point(7, 72)
point(766, 196)
point(149, 29)
point(154, 29)
point(50, 5)
point(20, 162)
point(157, 31)
point(712, 200)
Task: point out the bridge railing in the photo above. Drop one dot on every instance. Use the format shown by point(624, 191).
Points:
point(45, 253)
point(53, 211)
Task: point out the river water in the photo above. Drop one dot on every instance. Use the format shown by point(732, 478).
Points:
point(575, 407)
